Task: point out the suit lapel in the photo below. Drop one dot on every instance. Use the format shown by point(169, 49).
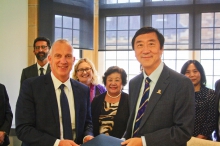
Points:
point(77, 103)
point(52, 98)
point(48, 69)
point(34, 71)
point(161, 86)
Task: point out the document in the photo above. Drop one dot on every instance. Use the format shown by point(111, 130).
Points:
point(103, 140)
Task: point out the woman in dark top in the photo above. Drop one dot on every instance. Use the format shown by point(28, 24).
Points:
point(5, 116)
point(110, 110)
point(205, 109)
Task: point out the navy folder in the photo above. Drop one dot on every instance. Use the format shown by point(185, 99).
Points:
point(103, 140)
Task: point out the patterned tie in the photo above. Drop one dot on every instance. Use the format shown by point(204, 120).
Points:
point(142, 106)
point(67, 128)
point(41, 71)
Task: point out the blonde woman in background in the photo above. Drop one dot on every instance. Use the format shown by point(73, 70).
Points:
point(85, 72)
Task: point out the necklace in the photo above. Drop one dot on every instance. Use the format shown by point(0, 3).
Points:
point(114, 96)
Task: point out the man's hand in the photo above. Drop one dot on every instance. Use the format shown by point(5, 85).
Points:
point(201, 136)
point(87, 138)
point(2, 137)
point(133, 142)
point(67, 143)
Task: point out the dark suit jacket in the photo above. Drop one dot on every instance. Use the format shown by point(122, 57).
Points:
point(169, 116)
point(217, 92)
point(31, 71)
point(121, 116)
point(37, 117)
point(5, 113)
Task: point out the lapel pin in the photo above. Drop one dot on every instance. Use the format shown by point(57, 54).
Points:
point(159, 91)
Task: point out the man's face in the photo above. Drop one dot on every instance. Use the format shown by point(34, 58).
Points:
point(61, 60)
point(147, 51)
point(41, 50)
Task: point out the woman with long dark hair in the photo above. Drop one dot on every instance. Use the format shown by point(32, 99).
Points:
point(205, 118)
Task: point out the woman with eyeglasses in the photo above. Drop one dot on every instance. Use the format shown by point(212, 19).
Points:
point(205, 108)
point(85, 72)
point(110, 110)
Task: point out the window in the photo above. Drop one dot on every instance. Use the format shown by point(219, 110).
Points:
point(210, 41)
point(68, 28)
point(191, 31)
point(175, 28)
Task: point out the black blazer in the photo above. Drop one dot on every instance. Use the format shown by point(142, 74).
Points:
point(121, 117)
point(5, 113)
point(169, 116)
point(37, 115)
point(31, 71)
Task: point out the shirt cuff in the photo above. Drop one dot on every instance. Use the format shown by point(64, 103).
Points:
point(143, 141)
point(56, 142)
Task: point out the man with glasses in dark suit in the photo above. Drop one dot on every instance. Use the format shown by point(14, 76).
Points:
point(41, 49)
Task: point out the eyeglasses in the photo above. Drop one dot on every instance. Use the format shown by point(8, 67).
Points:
point(42, 47)
point(81, 70)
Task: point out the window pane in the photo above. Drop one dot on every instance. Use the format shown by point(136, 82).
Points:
point(122, 1)
point(110, 63)
point(134, 67)
point(207, 19)
point(75, 23)
point(170, 36)
point(132, 55)
point(170, 21)
point(122, 55)
point(209, 81)
point(171, 64)
point(217, 19)
point(113, 48)
point(122, 38)
point(111, 55)
point(67, 22)
point(123, 64)
point(157, 21)
point(179, 64)
point(206, 54)
point(75, 36)
point(111, 1)
point(67, 34)
point(207, 35)
point(208, 66)
point(217, 35)
point(184, 55)
point(110, 37)
point(123, 23)
point(183, 36)
point(111, 23)
point(216, 67)
point(182, 20)
point(170, 55)
point(134, 22)
point(206, 46)
point(58, 21)
point(58, 33)
point(217, 54)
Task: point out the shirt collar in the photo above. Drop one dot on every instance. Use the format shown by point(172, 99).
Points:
point(57, 82)
point(154, 76)
point(45, 66)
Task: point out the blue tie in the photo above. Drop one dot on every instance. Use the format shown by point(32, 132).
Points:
point(67, 128)
point(142, 106)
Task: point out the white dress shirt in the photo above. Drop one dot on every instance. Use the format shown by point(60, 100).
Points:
point(45, 68)
point(69, 93)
